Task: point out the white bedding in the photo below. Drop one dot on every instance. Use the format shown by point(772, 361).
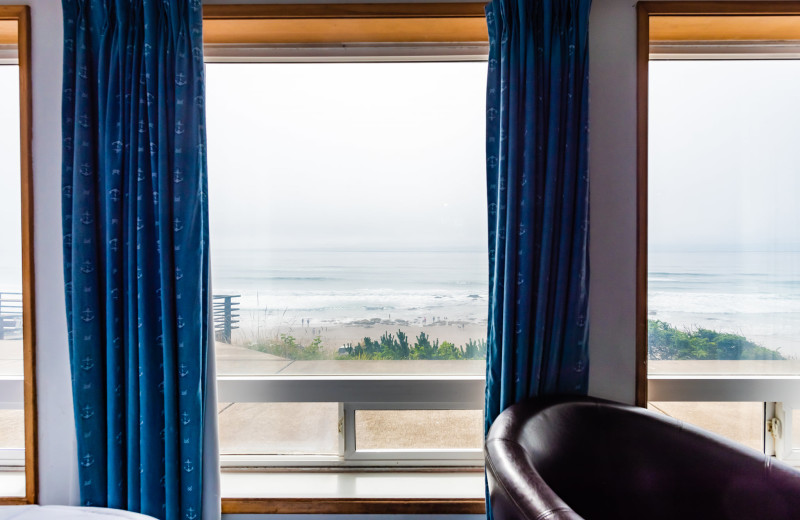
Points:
point(66, 513)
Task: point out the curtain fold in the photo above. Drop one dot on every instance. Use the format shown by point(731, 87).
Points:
point(537, 188)
point(135, 223)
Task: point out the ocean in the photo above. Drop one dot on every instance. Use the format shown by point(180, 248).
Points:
point(280, 287)
point(752, 293)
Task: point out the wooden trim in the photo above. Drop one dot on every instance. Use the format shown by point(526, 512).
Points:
point(418, 10)
point(352, 506)
point(8, 32)
point(28, 277)
point(719, 8)
point(13, 12)
point(21, 14)
point(343, 23)
point(13, 501)
point(345, 30)
point(642, 72)
point(718, 28)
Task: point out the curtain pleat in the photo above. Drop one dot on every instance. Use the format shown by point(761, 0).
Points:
point(135, 221)
point(537, 188)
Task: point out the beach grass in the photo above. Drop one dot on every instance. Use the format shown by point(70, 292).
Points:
point(388, 346)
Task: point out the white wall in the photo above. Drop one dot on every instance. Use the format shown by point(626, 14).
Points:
point(57, 445)
point(613, 212)
point(612, 174)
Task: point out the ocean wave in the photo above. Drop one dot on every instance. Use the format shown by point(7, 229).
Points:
point(358, 303)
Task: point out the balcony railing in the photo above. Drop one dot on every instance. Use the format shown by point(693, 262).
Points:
point(10, 315)
point(226, 314)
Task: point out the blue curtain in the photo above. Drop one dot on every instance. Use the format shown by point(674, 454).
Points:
point(135, 229)
point(537, 185)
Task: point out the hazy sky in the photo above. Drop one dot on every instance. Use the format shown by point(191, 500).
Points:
point(724, 157)
point(10, 243)
point(392, 155)
point(358, 155)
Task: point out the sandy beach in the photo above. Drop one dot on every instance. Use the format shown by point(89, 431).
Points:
point(335, 335)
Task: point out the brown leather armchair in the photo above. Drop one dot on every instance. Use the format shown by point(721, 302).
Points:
point(570, 458)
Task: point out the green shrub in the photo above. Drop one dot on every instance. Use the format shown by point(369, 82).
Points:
point(664, 341)
point(388, 347)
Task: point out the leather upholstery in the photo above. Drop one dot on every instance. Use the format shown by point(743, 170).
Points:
point(570, 458)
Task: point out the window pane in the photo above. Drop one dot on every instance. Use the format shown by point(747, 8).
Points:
point(348, 219)
point(740, 422)
point(10, 231)
point(12, 429)
point(12, 424)
point(796, 429)
point(723, 240)
point(419, 429)
point(279, 428)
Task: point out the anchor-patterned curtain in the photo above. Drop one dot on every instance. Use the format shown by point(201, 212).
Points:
point(538, 197)
point(135, 222)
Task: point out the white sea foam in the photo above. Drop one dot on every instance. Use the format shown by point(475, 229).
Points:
point(347, 286)
point(358, 301)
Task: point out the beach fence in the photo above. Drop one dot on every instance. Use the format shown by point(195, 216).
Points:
point(10, 315)
point(226, 314)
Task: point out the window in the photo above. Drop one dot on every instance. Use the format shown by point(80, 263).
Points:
point(17, 403)
point(348, 242)
point(719, 326)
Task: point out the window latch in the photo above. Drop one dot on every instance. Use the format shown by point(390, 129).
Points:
point(775, 427)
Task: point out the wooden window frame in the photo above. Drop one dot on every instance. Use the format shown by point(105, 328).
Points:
point(340, 25)
point(21, 14)
point(353, 506)
point(644, 11)
point(343, 23)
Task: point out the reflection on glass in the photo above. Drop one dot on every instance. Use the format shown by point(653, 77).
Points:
point(348, 216)
point(419, 429)
point(796, 429)
point(724, 247)
point(739, 422)
point(279, 428)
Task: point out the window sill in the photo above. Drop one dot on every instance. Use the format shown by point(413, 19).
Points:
point(353, 492)
point(778, 388)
